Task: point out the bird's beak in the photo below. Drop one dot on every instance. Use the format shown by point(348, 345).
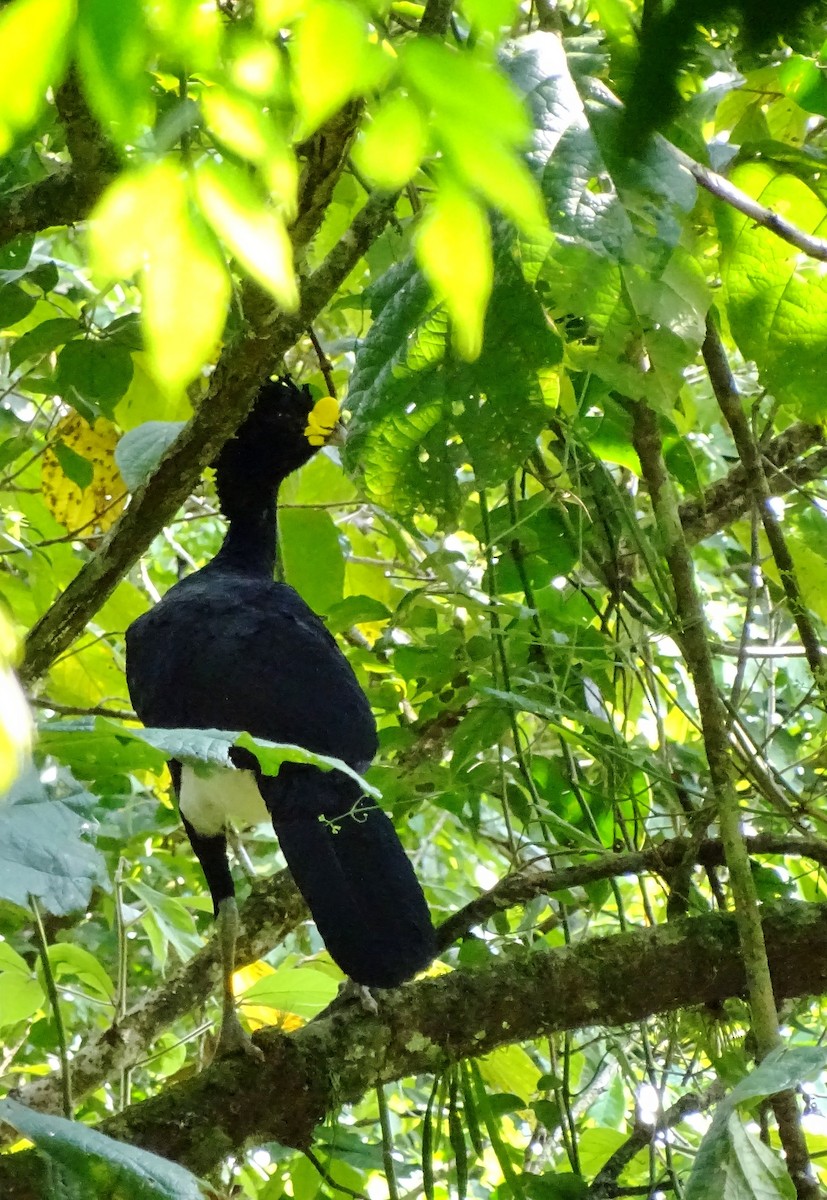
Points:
point(339, 435)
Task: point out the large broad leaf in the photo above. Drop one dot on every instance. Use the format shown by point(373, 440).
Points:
point(421, 418)
point(776, 297)
point(35, 39)
point(44, 851)
point(318, 577)
point(80, 744)
point(613, 257)
point(141, 449)
point(90, 1164)
point(732, 1163)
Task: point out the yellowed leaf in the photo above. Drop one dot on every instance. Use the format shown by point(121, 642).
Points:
point(92, 509)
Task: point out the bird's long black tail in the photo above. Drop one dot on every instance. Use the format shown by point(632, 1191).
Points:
point(349, 865)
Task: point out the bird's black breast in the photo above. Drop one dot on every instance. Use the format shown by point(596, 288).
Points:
point(226, 650)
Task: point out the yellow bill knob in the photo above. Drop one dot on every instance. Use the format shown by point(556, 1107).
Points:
point(322, 421)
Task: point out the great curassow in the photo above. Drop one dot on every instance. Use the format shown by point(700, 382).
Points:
point(230, 648)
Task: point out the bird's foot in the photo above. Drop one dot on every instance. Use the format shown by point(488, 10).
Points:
point(350, 990)
point(234, 1039)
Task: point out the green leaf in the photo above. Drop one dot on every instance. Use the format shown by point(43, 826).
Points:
point(43, 339)
point(355, 610)
point(145, 221)
point(173, 919)
point(20, 992)
point(141, 449)
point(393, 145)
point(15, 255)
point(100, 372)
point(419, 416)
point(45, 275)
point(73, 465)
point(97, 1164)
point(776, 297)
point(35, 36)
point(318, 576)
point(300, 990)
point(68, 959)
point(43, 851)
point(15, 304)
point(464, 86)
point(332, 60)
point(112, 52)
point(733, 1164)
point(254, 232)
point(804, 82)
point(86, 741)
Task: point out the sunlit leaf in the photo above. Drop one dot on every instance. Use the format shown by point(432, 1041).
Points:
point(112, 51)
point(34, 35)
point(255, 234)
point(20, 992)
point(394, 143)
point(333, 60)
point(146, 222)
point(454, 247)
point(15, 722)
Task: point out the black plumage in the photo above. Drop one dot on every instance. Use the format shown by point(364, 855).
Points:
point(230, 648)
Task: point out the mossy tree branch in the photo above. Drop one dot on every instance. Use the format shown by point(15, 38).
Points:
point(275, 908)
point(426, 1026)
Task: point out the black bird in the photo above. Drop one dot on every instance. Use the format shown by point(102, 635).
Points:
point(229, 648)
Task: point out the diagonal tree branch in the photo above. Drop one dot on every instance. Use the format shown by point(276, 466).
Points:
point(426, 1026)
point(796, 457)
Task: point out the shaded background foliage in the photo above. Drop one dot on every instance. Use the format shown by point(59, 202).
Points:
point(486, 550)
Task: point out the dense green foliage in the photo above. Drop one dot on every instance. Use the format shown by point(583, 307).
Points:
point(532, 333)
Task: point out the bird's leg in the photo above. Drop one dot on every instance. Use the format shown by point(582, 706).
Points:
point(232, 1036)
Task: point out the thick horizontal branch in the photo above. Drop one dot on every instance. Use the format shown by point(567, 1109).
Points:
point(233, 386)
point(426, 1026)
point(663, 859)
point(275, 908)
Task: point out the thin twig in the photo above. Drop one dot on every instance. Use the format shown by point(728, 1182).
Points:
point(51, 989)
point(729, 401)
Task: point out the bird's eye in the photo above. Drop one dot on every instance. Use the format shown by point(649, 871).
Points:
point(322, 420)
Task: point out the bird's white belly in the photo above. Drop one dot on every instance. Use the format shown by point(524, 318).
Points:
point(210, 801)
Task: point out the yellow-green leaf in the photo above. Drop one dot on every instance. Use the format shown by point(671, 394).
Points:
point(394, 144)
point(112, 54)
point(186, 291)
point(454, 248)
point(146, 221)
point(122, 224)
point(333, 60)
point(255, 234)
point(498, 173)
point(34, 35)
point(239, 123)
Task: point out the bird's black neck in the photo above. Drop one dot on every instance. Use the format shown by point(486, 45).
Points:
point(249, 544)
